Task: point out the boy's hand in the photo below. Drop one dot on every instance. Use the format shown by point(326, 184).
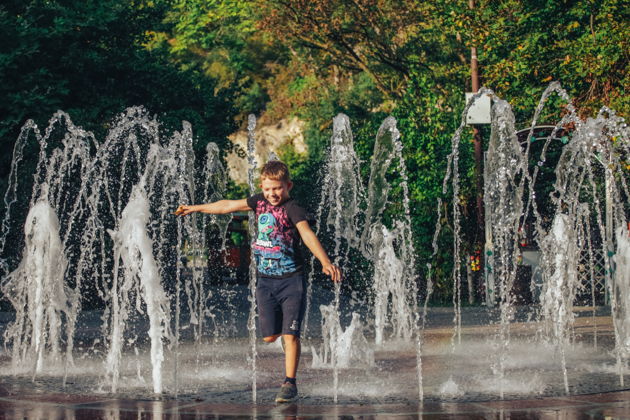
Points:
point(184, 210)
point(333, 271)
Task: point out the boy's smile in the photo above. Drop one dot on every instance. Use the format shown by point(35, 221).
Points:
point(276, 192)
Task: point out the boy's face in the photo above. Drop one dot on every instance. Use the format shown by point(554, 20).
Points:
point(276, 192)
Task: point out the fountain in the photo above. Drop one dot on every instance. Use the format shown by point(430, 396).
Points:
point(38, 292)
point(105, 284)
point(251, 320)
point(390, 251)
point(134, 250)
point(580, 199)
point(92, 193)
point(621, 289)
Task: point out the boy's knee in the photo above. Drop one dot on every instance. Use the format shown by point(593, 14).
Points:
point(270, 339)
point(289, 338)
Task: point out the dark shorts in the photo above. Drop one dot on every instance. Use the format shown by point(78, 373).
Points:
point(281, 304)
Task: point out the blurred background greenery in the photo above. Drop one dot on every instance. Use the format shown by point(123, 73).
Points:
point(214, 62)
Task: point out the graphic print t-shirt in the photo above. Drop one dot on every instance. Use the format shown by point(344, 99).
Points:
point(276, 247)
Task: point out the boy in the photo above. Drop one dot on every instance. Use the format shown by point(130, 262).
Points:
point(280, 289)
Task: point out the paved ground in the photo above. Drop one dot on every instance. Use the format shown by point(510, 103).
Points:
point(593, 394)
point(25, 405)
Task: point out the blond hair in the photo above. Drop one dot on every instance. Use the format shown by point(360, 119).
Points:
point(276, 171)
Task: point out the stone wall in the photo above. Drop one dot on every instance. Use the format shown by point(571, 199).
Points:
point(269, 138)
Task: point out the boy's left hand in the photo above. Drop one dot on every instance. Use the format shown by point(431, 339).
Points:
point(333, 271)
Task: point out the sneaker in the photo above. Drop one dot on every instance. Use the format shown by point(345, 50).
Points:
point(288, 393)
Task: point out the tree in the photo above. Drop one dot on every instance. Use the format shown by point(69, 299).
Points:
point(220, 40)
point(88, 59)
point(367, 36)
point(523, 45)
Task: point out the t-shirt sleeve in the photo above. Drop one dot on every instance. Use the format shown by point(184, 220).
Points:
point(252, 201)
point(296, 213)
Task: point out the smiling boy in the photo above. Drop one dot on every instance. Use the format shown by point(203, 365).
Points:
point(280, 289)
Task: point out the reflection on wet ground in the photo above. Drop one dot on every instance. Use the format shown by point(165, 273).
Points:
point(458, 382)
point(25, 405)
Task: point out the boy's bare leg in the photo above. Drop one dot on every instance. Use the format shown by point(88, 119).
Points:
point(271, 338)
point(292, 349)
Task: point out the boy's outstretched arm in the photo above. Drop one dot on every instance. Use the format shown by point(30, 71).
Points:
point(218, 207)
point(311, 241)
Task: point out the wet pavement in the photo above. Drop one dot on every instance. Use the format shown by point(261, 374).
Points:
point(51, 406)
point(458, 382)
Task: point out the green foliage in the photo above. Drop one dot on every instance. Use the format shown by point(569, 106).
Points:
point(214, 62)
point(427, 119)
point(219, 39)
point(368, 36)
point(523, 45)
point(87, 59)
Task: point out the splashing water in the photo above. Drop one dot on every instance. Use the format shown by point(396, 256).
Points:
point(342, 348)
point(341, 198)
point(38, 292)
point(584, 215)
point(251, 321)
point(133, 247)
point(338, 212)
point(622, 306)
point(83, 188)
point(559, 288)
point(390, 252)
point(127, 185)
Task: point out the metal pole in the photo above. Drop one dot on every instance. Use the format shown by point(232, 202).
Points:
point(478, 143)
